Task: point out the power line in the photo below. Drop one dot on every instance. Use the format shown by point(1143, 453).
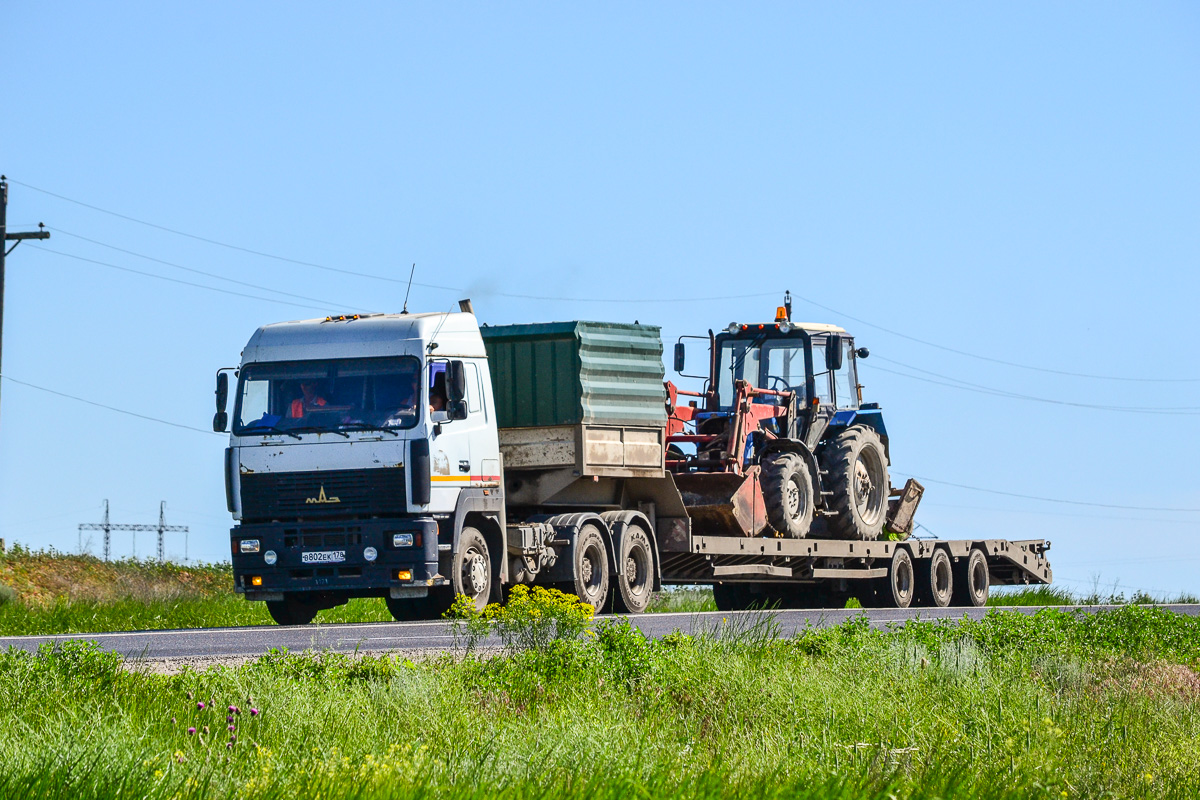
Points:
point(199, 271)
point(989, 358)
point(322, 309)
point(110, 408)
point(975, 387)
point(373, 276)
point(1046, 499)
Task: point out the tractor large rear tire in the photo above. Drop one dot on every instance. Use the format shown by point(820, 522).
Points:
point(858, 478)
point(787, 489)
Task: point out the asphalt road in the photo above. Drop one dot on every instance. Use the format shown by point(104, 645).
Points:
point(376, 636)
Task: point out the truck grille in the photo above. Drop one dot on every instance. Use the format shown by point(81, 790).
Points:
point(317, 495)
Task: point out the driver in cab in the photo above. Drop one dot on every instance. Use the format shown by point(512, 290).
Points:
point(309, 400)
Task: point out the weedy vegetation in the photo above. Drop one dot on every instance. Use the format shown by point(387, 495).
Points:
point(1051, 705)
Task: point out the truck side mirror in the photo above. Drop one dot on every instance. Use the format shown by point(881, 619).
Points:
point(680, 356)
point(833, 353)
point(221, 419)
point(456, 387)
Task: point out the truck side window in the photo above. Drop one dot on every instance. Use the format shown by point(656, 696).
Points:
point(474, 394)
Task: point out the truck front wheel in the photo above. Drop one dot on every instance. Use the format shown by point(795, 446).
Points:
point(291, 610)
point(472, 570)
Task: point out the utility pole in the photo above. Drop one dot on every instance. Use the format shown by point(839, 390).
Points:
point(161, 528)
point(16, 239)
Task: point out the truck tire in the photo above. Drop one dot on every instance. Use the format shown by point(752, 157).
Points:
point(971, 580)
point(787, 489)
point(589, 568)
point(858, 478)
point(635, 572)
point(291, 610)
point(935, 580)
point(412, 609)
point(897, 588)
point(471, 569)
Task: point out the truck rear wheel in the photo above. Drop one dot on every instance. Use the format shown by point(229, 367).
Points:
point(971, 580)
point(635, 572)
point(858, 478)
point(292, 610)
point(471, 572)
point(935, 580)
point(589, 568)
point(787, 490)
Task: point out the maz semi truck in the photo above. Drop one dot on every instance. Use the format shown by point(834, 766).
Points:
point(415, 457)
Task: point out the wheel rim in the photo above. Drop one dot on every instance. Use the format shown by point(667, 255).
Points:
point(941, 578)
point(637, 571)
point(591, 571)
point(978, 578)
point(474, 572)
point(869, 485)
point(793, 499)
point(902, 579)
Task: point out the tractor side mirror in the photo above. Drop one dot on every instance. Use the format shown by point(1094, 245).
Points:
point(221, 419)
point(680, 356)
point(833, 353)
point(456, 387)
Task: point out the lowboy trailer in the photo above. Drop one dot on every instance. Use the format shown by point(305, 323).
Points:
point(415, 457)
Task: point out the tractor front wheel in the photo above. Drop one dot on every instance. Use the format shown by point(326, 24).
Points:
point(788, 492)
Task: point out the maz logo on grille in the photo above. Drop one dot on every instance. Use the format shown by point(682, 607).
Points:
point(321, 498)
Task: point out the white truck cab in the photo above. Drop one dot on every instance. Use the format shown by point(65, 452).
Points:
point(360, 448)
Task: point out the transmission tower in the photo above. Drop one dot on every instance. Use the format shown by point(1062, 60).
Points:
point(108, 527)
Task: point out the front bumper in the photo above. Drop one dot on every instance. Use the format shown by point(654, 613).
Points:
point(329, 558)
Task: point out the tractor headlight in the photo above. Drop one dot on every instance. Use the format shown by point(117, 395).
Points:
point(248, 546)
point(370, 553)
point(270, 558)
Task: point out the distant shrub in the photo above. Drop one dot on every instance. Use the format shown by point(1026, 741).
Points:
point(7, 594)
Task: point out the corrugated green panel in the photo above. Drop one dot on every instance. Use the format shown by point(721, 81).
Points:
point(564, 373)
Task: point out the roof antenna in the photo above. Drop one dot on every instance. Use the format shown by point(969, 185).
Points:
point(408, 291)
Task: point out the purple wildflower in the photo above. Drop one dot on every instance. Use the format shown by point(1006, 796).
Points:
point(228, 745)
point(232, 709)
point(232, 728)
point(200, 706)
point(191, 731)
point(229, 718)
point(254, 712)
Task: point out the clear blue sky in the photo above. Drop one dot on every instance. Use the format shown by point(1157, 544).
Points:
point(1013, 181)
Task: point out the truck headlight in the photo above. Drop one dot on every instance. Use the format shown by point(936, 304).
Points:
point(248, 546)
point(370, 553)
point(402, 540)
point(270, 558)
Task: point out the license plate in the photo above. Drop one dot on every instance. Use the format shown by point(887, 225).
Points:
point(323, 557)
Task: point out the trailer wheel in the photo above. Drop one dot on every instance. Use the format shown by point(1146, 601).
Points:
point(471, 572)
point(971, 580)
point(788, 492)
point(291, 610)
point(635, 572)
point(858, 478)
point(897, 588)
point(590, 568)
point(935, 580)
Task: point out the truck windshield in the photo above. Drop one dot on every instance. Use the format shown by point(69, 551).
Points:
point(327, 396)
point(776, 364)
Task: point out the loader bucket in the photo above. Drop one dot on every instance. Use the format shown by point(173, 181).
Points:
point(723, 504)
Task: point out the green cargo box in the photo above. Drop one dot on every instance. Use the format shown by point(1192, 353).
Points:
point(571, 373)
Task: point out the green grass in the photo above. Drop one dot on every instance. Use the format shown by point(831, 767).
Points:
point(1049, 706)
